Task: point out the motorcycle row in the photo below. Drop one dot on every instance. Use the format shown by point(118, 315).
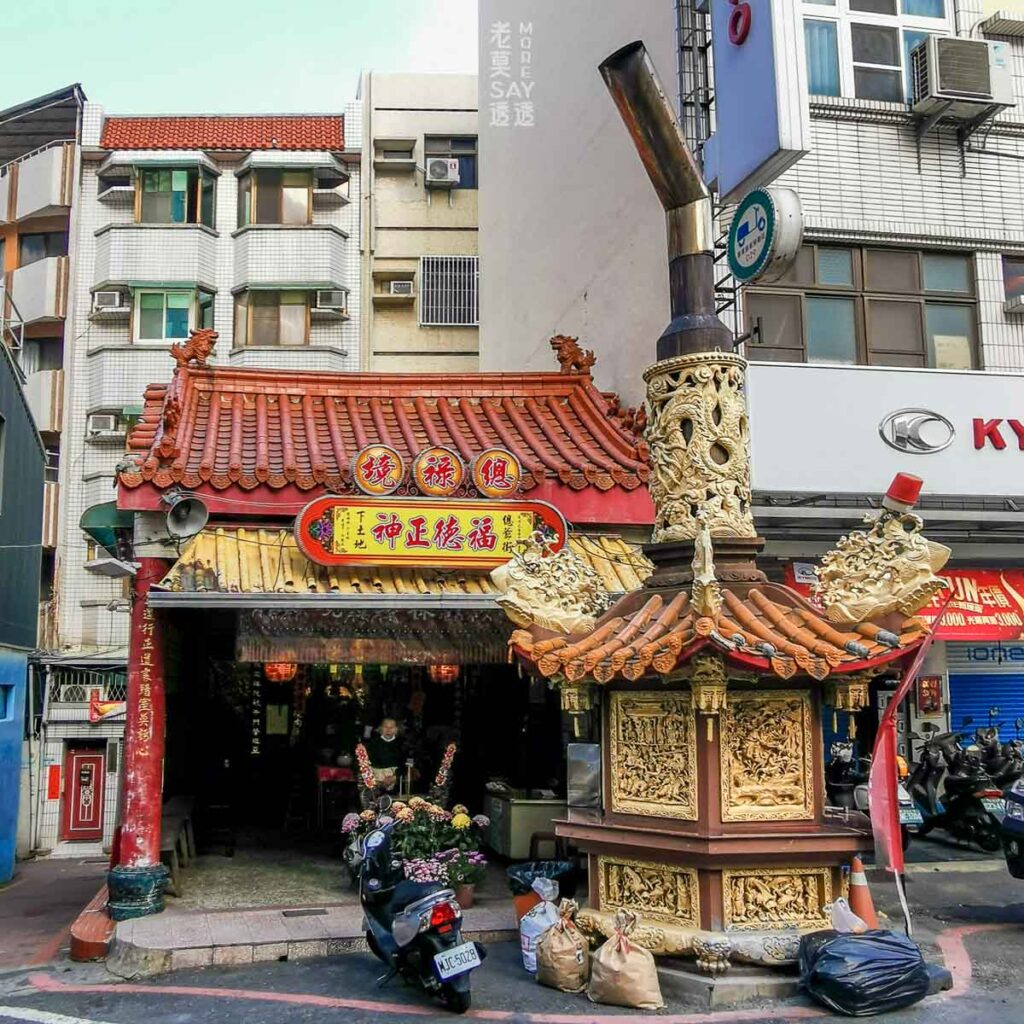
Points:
point(968, 786)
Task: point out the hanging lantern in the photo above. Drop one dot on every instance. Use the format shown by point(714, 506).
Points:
point(443, 674)
point(280, 671)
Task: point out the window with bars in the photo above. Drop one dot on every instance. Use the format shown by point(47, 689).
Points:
point(449, 291)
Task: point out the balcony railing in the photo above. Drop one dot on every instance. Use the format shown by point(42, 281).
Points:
point(155, 252)
point(41, 181)
point(40, 290)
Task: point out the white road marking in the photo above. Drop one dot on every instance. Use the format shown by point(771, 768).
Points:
point(43, 1016)
point(956, 866)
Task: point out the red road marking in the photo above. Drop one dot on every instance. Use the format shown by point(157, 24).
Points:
point(950, 942)
point(50, 948)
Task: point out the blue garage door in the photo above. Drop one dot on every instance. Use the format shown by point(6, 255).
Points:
point(973, 695)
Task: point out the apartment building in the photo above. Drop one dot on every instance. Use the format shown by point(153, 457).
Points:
point(248, 225)
point(420, 173)
point(895, 342)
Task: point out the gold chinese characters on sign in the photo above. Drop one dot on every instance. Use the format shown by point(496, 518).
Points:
point(766, 756)
point(762, 898)
point(658, 892)
point(653, 755)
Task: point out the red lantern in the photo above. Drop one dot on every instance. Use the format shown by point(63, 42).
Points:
point(280, 671)
point(443, 674)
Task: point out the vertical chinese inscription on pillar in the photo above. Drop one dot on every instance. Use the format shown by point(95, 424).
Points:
point(147, 653)
point(256, 694)
point(653, 755)
point(776, 897)
point(766, 752)
point(658, 892)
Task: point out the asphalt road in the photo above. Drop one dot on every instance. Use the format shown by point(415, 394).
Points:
point(970, 914)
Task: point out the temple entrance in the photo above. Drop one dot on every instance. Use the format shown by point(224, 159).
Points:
point(263, 751)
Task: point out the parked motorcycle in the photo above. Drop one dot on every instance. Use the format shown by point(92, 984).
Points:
point(1013, 829)
point(846, 784)
point(415, 927)
point(971, 807)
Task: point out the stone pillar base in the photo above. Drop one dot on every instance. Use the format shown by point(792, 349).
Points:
point(136, 892)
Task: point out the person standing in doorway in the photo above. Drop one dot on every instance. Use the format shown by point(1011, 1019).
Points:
point(387, 755)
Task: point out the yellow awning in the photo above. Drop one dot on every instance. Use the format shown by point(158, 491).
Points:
point(228, 560)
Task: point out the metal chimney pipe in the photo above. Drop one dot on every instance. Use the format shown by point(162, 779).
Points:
point(633, 82)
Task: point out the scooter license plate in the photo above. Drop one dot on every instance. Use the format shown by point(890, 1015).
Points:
point(994, 805)
point(456, 960)
point(910, 816)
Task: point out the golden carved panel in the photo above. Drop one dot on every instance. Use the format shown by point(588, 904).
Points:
point(653, 755)
point(766, 756)
point(763, 898)
point(658, 892)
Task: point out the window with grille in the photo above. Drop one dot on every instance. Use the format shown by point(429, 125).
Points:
point(449, 291)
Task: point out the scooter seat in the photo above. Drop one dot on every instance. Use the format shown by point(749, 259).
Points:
point(407, 893)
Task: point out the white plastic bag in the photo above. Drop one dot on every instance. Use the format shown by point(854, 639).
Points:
point(538, 920)
point(845, 920)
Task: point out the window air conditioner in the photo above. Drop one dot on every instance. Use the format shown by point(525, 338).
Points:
point(102, 423)
point(400, 288)
point(334, 299)
point(959, 78)
point(107, 300)
point(442, 172)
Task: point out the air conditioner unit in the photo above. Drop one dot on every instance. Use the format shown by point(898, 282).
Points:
point(335, 299)
point(442, 172)
point(102, 423)
point(960, 78)
point(400, 288)
point(108, 300)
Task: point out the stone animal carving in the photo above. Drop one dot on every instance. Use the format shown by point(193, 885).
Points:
point(888, 567)
point(571, 357)
point(196, 351)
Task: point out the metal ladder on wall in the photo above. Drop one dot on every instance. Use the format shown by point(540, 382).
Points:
point(697, 110)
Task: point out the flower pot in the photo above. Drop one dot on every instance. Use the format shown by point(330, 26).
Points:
point(464, 895)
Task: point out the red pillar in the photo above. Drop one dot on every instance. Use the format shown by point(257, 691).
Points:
point(136, 883)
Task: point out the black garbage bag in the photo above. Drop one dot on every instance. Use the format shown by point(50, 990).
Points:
point(521, 876)
point(861, 975)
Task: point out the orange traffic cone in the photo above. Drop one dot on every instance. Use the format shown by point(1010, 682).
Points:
point(860, 895)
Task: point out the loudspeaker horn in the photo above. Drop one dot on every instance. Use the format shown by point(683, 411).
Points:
point(186, 516)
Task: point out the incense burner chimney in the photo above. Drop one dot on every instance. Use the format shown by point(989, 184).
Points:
point(697, 414)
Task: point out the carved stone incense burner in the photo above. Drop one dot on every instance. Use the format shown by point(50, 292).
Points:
point(709, 681)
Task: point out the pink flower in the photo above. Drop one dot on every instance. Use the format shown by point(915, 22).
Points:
point(481, 821)
point(350, 823)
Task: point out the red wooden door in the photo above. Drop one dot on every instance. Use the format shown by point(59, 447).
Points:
point(84, 777)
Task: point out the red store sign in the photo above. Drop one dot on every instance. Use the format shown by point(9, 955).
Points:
point(987, 604)
point(997, 432)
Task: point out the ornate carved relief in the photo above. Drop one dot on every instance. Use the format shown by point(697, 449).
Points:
point(888, 567)
point(708, 683)
point(653, 755)
point(554, 590)
point(766, 756)
point(849, 693)
point(658, 892)
point(763, 898)
point(700, 446)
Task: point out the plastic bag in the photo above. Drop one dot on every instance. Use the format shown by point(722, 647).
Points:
point(623, 973)
point(563, 956)
point(521, 876)
point(845, 920)
point(538, 920)
point(861, 975)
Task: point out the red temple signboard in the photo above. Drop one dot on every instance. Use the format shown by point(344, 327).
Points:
point(422, 531)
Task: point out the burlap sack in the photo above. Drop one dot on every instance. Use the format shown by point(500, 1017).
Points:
point(622, 973)
point(563, 956)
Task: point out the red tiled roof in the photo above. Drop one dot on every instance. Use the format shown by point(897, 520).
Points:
point(762, 626)
point(298, 132)
point(218, 428)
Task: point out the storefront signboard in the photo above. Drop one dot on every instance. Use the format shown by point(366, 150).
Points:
point(987, 604)
point(422, 531)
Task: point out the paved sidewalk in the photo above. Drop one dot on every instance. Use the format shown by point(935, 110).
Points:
point(39, 904)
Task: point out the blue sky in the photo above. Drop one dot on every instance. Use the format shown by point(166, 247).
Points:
point(230, 56)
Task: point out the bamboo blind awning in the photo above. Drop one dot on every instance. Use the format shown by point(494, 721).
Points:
point(225, 561)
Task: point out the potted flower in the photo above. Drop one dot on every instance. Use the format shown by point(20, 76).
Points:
point(464, 870)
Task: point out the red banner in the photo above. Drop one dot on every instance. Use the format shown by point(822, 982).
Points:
point(986, 604)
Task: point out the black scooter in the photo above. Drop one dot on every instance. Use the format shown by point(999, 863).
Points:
point(415, 927)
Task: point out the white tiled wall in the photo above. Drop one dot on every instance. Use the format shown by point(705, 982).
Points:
point(106, 370)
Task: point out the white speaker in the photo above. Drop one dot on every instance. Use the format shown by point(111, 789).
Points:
point(186, 516)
